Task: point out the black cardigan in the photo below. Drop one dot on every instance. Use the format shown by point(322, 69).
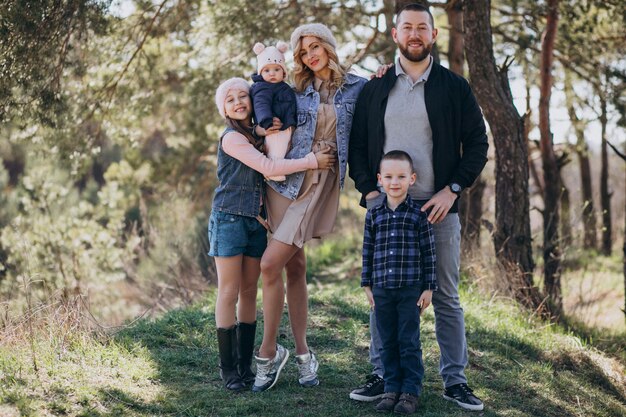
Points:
point(459, 136)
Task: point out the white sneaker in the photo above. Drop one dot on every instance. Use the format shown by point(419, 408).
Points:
point(268, 370)
point(307, 368)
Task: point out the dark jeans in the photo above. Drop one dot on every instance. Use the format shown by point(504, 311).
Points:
point(398, 323)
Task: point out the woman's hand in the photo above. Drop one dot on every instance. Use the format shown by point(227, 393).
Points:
point(276, 125)
point(382, 70)
point(326, 158)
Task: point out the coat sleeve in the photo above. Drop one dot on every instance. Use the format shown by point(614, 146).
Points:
point(358, 150)
point(473, 140)
point(261, 94)
point(291, 108)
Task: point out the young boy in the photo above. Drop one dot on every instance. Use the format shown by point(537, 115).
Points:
point(399, 280)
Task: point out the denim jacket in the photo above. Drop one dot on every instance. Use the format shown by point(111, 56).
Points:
point(240, 187)
point(302, 138)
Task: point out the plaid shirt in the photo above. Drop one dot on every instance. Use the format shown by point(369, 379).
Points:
point(398, 248)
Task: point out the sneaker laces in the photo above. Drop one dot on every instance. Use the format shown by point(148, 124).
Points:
point(306, 368)
point(263, 369)
point(466, 389)
point(371, 380)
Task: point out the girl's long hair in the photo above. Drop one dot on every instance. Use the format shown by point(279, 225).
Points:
point(246, 131)
point(303, 76)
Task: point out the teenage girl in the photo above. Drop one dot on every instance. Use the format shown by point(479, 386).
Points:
point(237, 235)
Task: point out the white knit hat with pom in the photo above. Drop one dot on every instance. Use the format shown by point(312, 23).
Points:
point(313, 29)
point(222, 91)
point(270, 55)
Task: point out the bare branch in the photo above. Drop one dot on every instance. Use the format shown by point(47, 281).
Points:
point(359, 56)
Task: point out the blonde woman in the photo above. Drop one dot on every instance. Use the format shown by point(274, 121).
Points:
point(305, 205)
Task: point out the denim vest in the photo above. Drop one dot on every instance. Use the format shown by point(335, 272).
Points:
point(240, 188)
point(302, 138)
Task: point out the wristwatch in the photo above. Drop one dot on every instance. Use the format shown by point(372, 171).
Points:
point(455, 188)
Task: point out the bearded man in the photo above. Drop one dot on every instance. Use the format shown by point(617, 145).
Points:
point(424, 109)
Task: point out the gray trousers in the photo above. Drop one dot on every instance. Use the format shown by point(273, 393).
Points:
point(449, 320)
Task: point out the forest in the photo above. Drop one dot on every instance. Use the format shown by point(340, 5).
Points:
point(108, 142)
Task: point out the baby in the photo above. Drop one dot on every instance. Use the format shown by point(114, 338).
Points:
point(273, 97)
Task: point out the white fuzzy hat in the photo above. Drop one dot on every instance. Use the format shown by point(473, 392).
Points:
point(222, 91)
point(270, 55)
point(313, 29)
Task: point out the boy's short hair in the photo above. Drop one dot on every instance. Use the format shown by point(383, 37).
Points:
point(397, 155)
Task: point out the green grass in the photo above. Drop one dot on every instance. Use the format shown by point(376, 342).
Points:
point(168, 366)
point(593, 289)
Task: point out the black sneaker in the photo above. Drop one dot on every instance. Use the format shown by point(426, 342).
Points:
point(373, 389)
point(464, 397)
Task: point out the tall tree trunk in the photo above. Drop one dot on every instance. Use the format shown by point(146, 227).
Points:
point(534, 173)
point(470, 214)
point(527, 128)
point(582, 152)
point(454, 10)
point(605, 196)
point(623, 156)
point(512, 239)
point(470, 205)
point(566, 216)
point(552, 188)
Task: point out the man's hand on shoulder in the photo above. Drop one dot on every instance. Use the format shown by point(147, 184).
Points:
point(440, 204)
point(372, 195)
point(382, 70)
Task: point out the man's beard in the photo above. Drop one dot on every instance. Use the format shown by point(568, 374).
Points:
point(415, 56)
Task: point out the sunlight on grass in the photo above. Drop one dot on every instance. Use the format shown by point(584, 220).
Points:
point(167, 365)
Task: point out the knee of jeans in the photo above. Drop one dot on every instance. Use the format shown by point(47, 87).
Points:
point(446, 302)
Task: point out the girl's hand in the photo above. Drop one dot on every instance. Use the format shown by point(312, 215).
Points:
point(326, 158)
point(381, 71)
point(369, 295)
point(425, 299)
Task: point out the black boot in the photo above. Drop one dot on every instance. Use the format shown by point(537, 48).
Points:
point(245, 338)
point(227, 344)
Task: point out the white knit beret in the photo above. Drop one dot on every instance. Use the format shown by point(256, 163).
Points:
point(270, 55)
point(313, 29)
point(222, 91)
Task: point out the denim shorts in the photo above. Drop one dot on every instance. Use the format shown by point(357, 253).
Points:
point(231, 235)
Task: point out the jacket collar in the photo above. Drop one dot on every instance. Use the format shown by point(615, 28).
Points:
point(390, 77)
point(404, 206)
point(349, 80)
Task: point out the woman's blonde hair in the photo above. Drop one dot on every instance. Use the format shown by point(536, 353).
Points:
point(303, 76)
